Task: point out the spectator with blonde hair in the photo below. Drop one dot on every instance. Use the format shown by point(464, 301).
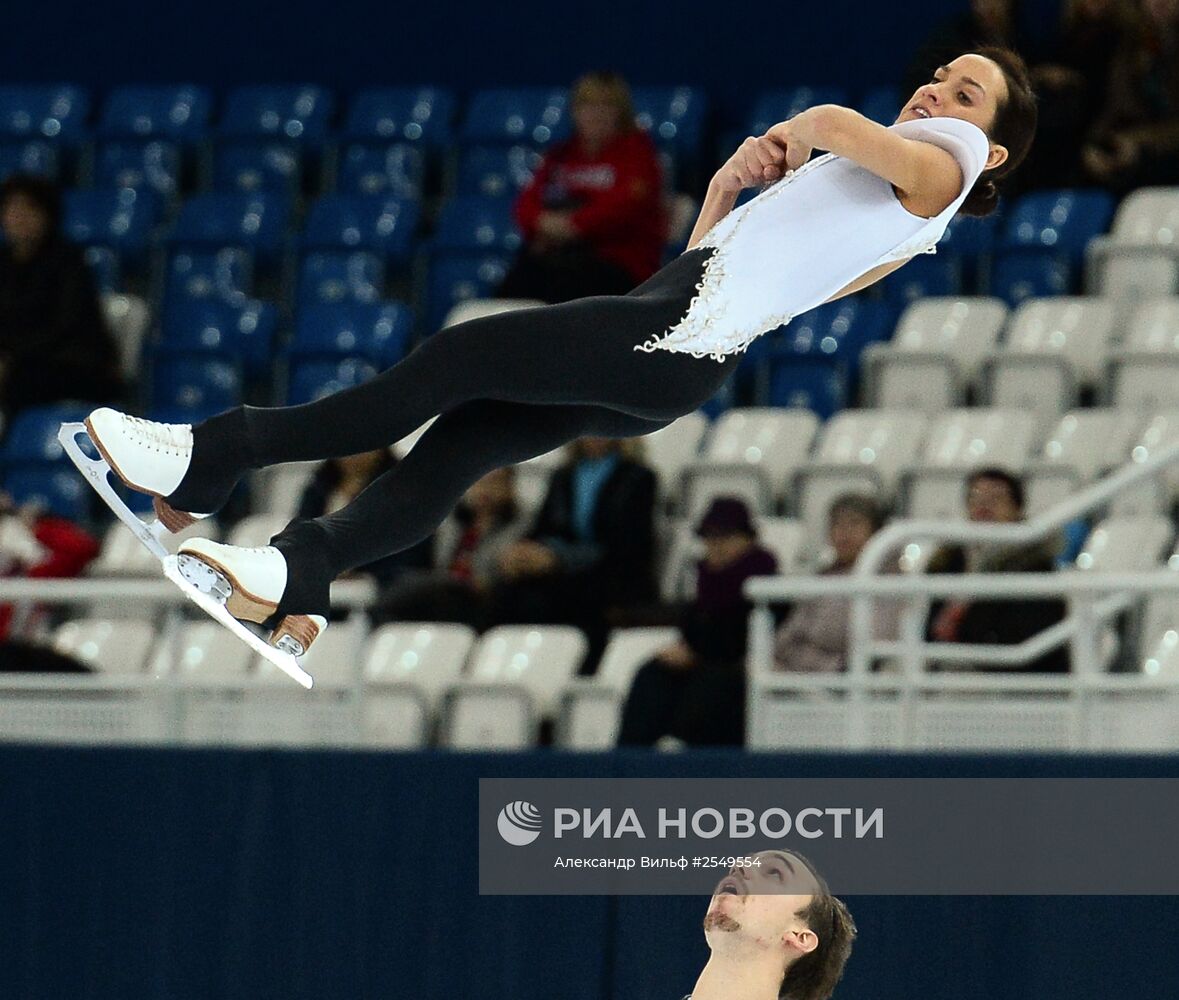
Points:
point(592, 216)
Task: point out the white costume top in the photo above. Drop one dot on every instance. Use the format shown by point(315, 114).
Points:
point(808, 236)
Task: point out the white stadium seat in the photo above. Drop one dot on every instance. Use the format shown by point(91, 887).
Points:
point(128, 318)
point(936, 352)
point(257, 529)
point(514, 679)
point(1140, 256)
point(122, 554)
point(279, 489)
point(753, 453)
point(119, 646)
point(1155, 495)
point(334, 659)
point(1053, 347)
point(408, 667)
point(1126, 545)
point(470, 309)
point(863, 451)
point(1084, 445)
point(1145, 370)
point(427, 655)
point(960, 441)
point(592, 705)
point(207, 654)
point(673, 448)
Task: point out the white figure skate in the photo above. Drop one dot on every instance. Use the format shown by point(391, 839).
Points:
point(115, 436)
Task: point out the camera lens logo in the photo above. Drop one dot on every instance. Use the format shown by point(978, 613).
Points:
point(519, 823)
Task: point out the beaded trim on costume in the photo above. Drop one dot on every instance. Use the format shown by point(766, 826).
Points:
point(696, 321)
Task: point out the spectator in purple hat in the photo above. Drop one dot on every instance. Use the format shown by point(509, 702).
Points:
point(694, 689)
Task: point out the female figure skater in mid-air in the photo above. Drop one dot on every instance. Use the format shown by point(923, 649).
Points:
point(518, 384)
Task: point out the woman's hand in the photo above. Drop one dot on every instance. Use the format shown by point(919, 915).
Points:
point(758, 161)
point(793, 136)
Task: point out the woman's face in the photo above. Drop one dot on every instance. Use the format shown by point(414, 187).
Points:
point(848, 533)
point(23, 221)
point(971, 88)
point(595, 119)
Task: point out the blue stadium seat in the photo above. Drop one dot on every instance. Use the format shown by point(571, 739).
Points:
point(104, 266)
point(1022, 274)
point(382, 225)
point(177, 113)
point(925, 275)
point(32, 436)
point(496, 171)
point(775, 106)
point(187, 389)
point(35, 111)
point(474, 223)
point(223, 274)
point(389, 170)
point(1060, 221)
point(292, 113)
point(340, 277)
point(255, 222)
point(35, 157)
point(419, 115)
point(514, 115)
point(310, 380)
point(122, 219)
point(455, 277)
point(376, 332)
point(154, 165)
point(971, 236)
point(816, 384)
point(674, 117)
point(244, 332)
point(248, 168)
point(882, 104)
point(58, 489)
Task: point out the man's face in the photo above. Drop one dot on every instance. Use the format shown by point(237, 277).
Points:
point(759, 904)
point(990, 500)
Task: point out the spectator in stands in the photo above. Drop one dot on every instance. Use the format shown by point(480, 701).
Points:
point(592, 216)
point(467, 550)
point(985, 22)
point(1071, 81)
point(1135, 140)
point(591, 548)
point(813, 636)
point(337, 482)
point(54, 342)
point(37, 545)
point(996, 496)
point(694, 689)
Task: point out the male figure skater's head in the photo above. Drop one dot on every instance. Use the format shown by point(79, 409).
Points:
point(775, 931)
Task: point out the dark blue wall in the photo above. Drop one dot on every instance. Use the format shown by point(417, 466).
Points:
point(177, 874)
point(733, 51)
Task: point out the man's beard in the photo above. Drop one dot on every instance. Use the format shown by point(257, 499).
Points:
point(720, 921)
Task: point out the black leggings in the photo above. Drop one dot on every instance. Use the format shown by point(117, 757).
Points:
point(508, 387)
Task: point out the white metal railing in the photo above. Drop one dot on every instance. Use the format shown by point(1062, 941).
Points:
point(1091, 600)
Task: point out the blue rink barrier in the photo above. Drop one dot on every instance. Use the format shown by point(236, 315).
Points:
point(169, 874)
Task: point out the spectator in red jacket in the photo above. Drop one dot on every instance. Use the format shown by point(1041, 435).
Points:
point(592, 216)
point(38, 545)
